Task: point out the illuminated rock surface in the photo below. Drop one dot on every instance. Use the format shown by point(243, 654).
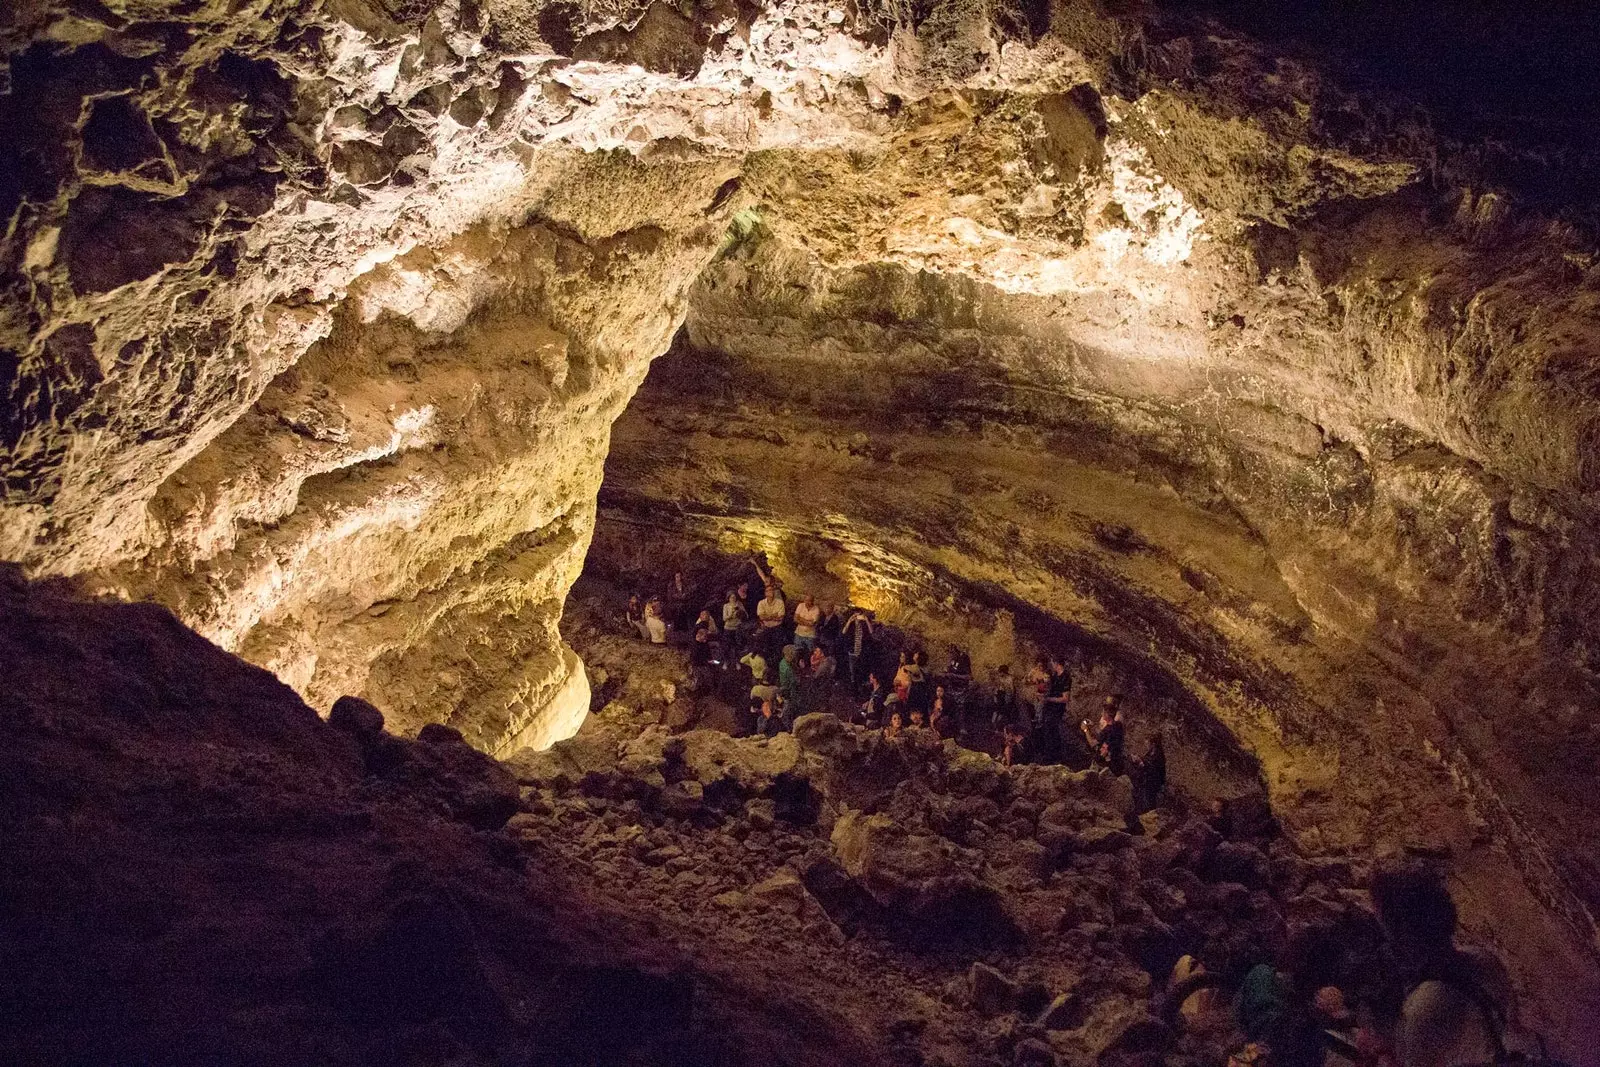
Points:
point(317, 319)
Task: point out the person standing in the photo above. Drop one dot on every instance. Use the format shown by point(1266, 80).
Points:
point(1107, 743)
point(1453, 1011)
point(635, 617)
point(1058, 688)
point(830, 631)
point(757, 664)
point(700, 656)
point(770, 614)
point(806, 617)
point(789, 677)
point(677, 602)
point(1046, 741)
point(872, 707)
point(734, 616)
point(769, 725)
point(857, 635)
point(655, 626)
point(1149, 775)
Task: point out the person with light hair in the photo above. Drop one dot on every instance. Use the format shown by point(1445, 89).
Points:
point(806, 617)
point(655, 626)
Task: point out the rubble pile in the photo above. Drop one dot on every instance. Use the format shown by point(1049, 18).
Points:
point(962, 911)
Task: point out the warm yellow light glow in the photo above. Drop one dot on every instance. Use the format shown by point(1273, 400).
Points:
point(559, 717)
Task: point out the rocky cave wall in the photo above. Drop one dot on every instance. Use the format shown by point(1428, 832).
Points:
point(317, 318)
point(1369, 611)
point(1362, 610)
point(1327, 453)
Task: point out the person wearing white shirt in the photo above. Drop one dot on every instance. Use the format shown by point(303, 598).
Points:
point(806, 616)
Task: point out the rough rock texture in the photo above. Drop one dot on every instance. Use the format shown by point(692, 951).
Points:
point(316, 318)
point(198, 869)
point(960, 912)
point(914, 445)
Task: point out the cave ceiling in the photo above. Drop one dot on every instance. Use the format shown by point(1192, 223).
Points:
point(1253, 341)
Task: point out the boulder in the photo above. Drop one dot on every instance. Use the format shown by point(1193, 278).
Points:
point(356, 717)
point(682, 800)
point(1235, 861)
point(437, 733)
point(895, 866)
point(1032, 1052)
point(824, 735)
point(760, 813)
point(1099, 840)
point(990, 991)
point(593, 750)
point(746, 766)
point(783, 891)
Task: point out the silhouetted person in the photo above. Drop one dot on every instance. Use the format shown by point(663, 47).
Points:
point(789, 676)
point(1011, 751)
point(1150, 775)
point(1047, 741)
point(770, 725)
point(704, 622)
point(635, 617)
point(1108, 742)
point(1277, 1005)
point(1058, 687)
point(920, 693)
point(1452, 1014)
point(872, 707)
point(823, 666)
point(700, 655)
point(768, 579)
point(677, 601)
point(1039, 680)
point(908, 673)
point(1003, 704)
point(959, 673)
point(830, 631)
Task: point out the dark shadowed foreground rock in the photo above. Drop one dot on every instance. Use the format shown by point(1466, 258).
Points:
point(196, 869)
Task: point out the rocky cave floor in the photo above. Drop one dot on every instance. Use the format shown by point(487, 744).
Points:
point(201, 870)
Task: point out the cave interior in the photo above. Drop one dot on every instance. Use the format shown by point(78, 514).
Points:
point(358, 357)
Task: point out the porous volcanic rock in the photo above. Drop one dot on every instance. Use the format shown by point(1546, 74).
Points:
point(316, 318)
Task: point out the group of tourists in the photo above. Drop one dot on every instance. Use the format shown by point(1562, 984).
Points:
point(1322, 1000)
point(790, 659)
point(815, 655)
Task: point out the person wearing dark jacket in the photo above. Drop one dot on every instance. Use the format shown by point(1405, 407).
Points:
point(856, 638)
point(1108, 742)
point(872, 707)
point(1150, 775)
